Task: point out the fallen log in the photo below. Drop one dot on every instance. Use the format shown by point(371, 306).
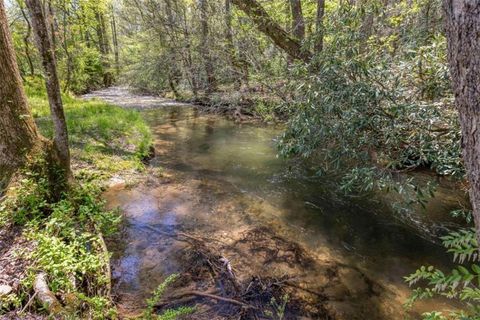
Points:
point(45, 296)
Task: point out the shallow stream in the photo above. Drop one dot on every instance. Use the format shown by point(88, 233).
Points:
point(221, 181)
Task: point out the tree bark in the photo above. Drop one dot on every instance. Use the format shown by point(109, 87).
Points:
point(46, 51)
point(463, 40)
point(319, 25)
point(205, 48)
point(298, 23)
point(270, 28)
point(50, 19)
point(18, 132)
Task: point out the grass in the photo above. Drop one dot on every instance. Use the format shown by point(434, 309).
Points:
point(65, 236)
point(107, 138)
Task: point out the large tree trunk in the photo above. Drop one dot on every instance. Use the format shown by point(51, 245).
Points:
point(46, 50)
point(298, 23)
point(319, 25)
point(18, 133)
point(206, 49)
point(270, 28)
point(463, 39)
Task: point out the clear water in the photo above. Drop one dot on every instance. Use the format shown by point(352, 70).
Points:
point(219, 179)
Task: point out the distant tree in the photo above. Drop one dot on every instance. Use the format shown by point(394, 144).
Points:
point(113, 24)
point(46, 49)
point(236, 68)
point(26, 39)
point(18, 132)
point(104, 47)
point(463, 39)
point(205, 48)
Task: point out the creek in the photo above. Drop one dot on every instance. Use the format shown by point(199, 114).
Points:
point(222, 182)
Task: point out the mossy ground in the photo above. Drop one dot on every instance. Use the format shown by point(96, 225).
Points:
point(64, 237)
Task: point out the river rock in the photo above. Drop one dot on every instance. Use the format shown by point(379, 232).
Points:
point(116, 182)
point(5, 289)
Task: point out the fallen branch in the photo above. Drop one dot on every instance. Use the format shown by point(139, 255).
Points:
point(28, 303)
point(176, 234)
point(45, 296)
point(212, 296)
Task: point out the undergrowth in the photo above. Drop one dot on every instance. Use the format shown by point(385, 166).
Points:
point(66, 237)
point(65, 234)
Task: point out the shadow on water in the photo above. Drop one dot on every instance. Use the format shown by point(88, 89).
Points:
point(222, 183)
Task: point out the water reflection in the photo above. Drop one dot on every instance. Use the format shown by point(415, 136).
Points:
point(227, 182)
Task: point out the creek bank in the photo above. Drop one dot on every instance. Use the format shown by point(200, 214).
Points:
point(255, 104)
point(63, 239)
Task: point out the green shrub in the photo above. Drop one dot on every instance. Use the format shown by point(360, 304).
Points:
point(169, 314)
point(461, 283)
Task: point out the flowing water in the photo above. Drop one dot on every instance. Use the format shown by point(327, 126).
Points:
point(221, 181)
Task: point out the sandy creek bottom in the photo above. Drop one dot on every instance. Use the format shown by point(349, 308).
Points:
point(216, 192)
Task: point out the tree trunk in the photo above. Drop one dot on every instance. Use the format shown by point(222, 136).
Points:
point(319, 25)
point(65, 47)
point(46, 51)
point(174, 73)
point(463, 30)
point(18, 132)
point(237, 71)
point(115, 43)
point(270, 28)
point(205, 48)
point(26, 40)
point(50, 19)
point(298, 23)
point(104, 48)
